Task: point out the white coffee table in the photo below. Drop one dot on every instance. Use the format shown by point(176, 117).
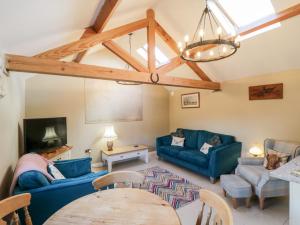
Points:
point(124, 153)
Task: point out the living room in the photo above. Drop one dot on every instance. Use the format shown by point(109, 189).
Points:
point(192, 124)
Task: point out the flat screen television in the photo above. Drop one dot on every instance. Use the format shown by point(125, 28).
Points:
point(41, 135)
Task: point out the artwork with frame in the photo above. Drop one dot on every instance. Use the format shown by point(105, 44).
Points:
point(190, 100)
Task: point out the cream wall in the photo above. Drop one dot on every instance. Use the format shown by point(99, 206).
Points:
point(53, 96)
point(230, 111)
point(11, 115)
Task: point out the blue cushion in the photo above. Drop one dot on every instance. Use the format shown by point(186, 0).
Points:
point(171, 150)
point(32, 179)
point(194, 156)
point(75, 167)
point(191, 138)
point(203, 137)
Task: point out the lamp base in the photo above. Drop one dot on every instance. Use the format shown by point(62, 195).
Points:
point(110, 145)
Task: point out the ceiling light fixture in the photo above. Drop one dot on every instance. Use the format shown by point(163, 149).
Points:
point(128, 66)
point(209, 42)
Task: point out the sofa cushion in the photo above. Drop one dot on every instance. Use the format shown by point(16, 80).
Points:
point(204, 136)
point(252, 174)
point(171, 150)
point(31, 180)
point(75, 167)
point(195, 157)
point(191, 138)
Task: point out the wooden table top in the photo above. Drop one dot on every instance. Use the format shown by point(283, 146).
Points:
point(120, 206)
point(124, 149)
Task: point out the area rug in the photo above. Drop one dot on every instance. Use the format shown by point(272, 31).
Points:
point(170, 187)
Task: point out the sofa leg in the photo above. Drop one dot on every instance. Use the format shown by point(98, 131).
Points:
point(212, 180)
point(224, 192)
point(234, 203)
point(248, 202)
point(261, 203)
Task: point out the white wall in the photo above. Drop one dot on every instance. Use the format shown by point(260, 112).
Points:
point(11, 115)
point(231, 112)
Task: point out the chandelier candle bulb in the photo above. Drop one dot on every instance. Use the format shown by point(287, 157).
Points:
point(198, 54)
point(187, 53)
point(186, 38)
point(224, 49)
point(179, 45)
point(201, 33)
point(219, 31)
point(211, 52)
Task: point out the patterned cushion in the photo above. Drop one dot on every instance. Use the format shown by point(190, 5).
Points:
point(215, 140)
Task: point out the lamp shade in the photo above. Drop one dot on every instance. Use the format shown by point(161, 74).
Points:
point(110, 133)
point(256, 151)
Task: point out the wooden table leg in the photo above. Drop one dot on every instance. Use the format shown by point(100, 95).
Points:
point(248, 202)
point(224, 192)
point(234, 203)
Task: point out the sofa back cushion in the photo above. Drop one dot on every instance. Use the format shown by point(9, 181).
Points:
point(75, 167)
point(204, 136)
point(32, 179)
point(191, 138)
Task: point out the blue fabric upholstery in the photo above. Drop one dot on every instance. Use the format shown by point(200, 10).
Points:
point(235, 186)
point(32, 179)
point(75, 167)
point(48, 199)
point(194, 156)
point(220, 159)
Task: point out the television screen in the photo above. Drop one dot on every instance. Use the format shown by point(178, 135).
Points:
point(44, 134)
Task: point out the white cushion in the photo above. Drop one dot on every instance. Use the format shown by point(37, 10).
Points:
point(55, 172)
point(177, 141)
point(205, 148)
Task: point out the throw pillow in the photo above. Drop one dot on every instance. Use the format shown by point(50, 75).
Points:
point(274, 159)
point(177, 141)
point(55, 172)
point(205, 148)
point(178, 133)
point(215, 141)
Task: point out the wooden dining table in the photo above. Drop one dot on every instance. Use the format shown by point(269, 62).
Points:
point(120, 206)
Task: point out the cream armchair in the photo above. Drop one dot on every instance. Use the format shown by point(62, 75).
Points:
point(252, 170)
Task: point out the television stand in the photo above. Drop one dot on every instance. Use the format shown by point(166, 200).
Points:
point(58, 153)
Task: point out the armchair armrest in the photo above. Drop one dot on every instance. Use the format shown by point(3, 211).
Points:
point(74, 167)
point(164, 140)
point(224, 159)
point(257, 161)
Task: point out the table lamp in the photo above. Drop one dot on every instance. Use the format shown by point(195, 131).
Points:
point(255, 151)
point(110, 135)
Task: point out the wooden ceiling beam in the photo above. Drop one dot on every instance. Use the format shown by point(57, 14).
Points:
point(173, 45)
point(270, 20)
point(125, 56)
point(84, 44)
point(87, 33)
point(174, 63)
point(151, 40)
point(55, 67)
point(102, 19)
point(105, 14)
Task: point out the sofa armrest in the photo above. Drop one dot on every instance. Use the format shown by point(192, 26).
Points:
point(224, 159)
point(164, 140)
point(51, 198)
point(257, 161)
point(74, 167)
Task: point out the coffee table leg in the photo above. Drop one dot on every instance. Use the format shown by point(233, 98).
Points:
point(109, 166)
point(146, 158)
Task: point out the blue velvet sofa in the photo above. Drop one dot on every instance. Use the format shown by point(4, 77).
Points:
point(48, 197)
point(221, 159)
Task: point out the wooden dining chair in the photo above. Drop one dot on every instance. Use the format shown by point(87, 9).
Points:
point(219, 212)
point(12, 204)
point(119, 177)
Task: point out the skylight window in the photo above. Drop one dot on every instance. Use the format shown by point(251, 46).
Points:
point(241, 14)
point(161, 58)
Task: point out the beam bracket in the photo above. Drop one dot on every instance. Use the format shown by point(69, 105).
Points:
point(157, 78)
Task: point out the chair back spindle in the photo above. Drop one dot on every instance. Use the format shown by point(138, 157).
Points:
point(12, 204)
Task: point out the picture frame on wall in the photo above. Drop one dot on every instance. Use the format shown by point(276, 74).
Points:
point(190, 100)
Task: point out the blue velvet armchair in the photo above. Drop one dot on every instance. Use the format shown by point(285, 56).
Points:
point(220, 160)
point(48, 197)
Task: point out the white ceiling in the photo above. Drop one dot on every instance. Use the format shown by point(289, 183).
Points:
point(32, 26)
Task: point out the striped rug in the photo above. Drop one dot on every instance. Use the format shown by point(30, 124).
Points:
point(172, 188)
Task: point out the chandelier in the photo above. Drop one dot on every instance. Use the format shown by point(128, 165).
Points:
point(127, 66)
point(208, 42)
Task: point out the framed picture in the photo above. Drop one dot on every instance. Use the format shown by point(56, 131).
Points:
point(190, 100)
point(263, 92)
